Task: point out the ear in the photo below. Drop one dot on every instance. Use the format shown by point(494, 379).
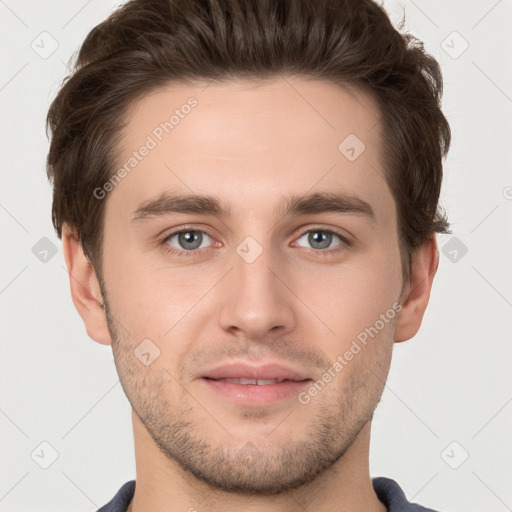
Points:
point(85, 288)
point(416, 293)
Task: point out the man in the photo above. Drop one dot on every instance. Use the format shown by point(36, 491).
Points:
point(247, 194)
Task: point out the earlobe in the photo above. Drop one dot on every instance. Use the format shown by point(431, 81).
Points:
point(417, 292)
point(85, 288)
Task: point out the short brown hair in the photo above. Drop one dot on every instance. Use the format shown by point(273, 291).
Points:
point(147, 44)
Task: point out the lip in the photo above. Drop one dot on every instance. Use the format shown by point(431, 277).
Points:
point(245, 371)
point(253, 394)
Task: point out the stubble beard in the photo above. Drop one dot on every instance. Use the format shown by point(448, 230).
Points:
point(229, 464)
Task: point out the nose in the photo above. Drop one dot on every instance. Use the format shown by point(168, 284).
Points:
point(256, 297)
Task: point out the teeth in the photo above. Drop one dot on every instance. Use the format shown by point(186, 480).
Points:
point(259, 382)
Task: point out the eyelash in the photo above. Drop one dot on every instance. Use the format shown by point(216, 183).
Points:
point(192, 253)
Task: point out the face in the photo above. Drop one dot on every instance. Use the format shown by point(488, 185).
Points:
point(279, 275)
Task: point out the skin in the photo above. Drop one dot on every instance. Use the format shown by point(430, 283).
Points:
point(250, 144)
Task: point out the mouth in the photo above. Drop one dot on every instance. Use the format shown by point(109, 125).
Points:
point(257, 382)
point(259, 386)
point(255, 392)
point(245, 373)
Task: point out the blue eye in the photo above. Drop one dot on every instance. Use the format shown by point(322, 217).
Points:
point(189, 242)
point(321, 239)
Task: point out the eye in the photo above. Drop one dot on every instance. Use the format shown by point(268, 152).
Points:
point(321, 239)
point(187, 240)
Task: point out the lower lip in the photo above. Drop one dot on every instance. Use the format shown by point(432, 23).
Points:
point(252, 394)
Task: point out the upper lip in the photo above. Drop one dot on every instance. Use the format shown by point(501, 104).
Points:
point(245, 371)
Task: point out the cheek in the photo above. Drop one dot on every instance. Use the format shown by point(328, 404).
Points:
point(168, 307)
point(351, 297)
point(145, 297)
point(154, 304)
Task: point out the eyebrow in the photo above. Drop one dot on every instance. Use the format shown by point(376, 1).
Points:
point(193, 204)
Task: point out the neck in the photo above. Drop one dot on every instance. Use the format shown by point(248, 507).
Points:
point(162, 485)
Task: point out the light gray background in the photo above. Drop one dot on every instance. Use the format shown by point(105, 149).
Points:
point(452, 382)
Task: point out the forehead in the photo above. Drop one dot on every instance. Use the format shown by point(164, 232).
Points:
point(249, 142)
